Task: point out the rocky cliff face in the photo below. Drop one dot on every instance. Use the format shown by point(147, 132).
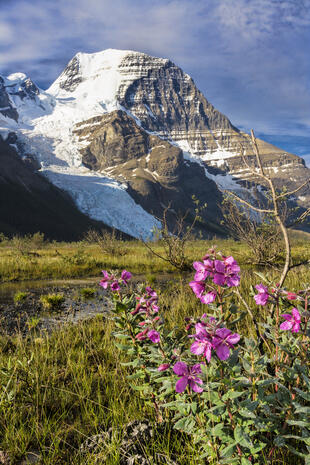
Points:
point(6, 106)
point(13, 91)
point(155, 170)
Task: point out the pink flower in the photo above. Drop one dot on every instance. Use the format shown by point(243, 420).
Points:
point(198, 287)
point(188, 377)
point(126, 276)
point(203, 339)
point(141, 336)
point(147, 303)
point(223, 272)
point(208, 298)
point(105, 280)
point(202, 345)
point(163, 367)
point(292, 322)
point(115, 286)
point(153, 335)
point(262, 297)
point(223, 341)
point(291, 296)
point(151, 292)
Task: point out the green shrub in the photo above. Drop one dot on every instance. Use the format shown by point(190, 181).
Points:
point(52, 301)
point(33, 322)
point(87, 293)
point(20, 296)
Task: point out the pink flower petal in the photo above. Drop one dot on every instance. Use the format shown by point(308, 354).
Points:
point(194, 385)
point(287, 316)
point(197, 347)
point(219, 266)
point(219, 279)
point(295, 328)
point(222, 351)
point(296, 315)
point(181, 384)
point(208, 298)
point(286, 325)
point(233, 338)
point(197, 288)
point(180, 368)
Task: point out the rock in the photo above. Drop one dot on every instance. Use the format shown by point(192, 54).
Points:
point(70, 77)
point(133, 446)
point(31, 457)
point(5, 458)
point(6, 106)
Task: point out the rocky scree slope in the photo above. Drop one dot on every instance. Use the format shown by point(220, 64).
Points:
point(126, 134)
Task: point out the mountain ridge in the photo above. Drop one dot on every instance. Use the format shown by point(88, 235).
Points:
point(160, 99)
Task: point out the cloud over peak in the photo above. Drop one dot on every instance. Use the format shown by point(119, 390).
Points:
point(249, 57)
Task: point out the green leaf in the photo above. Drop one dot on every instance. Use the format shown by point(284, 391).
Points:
point(120, 336)
point(242, 437)
point(217, 430)
point(139, 374)
point(231, 394)
point(122, 346)
point(279, 441)
point(304, 395)
point(261, 276)
point(298, 423)
point(142, 387)
point(194, 407)
point(303, 409)
point(246, 413)
point(180, 423)
point(228, 450)
point(245, 461)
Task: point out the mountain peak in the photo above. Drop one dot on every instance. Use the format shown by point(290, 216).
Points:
point(101, 67)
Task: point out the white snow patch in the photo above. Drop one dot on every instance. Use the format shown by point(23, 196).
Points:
point(224, 182)
point(104, 199)
point(219, 154)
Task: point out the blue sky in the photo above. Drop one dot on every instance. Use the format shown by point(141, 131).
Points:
point(250, 58)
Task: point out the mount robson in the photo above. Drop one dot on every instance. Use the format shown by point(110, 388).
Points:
point(118, 137)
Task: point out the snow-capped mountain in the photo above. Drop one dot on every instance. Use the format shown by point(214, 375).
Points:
point(127, 134)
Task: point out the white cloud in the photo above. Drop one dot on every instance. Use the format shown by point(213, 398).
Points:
point(249, 57)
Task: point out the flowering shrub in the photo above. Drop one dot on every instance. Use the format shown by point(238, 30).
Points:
point(239, 403)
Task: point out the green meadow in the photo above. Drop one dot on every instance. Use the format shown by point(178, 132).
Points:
point(59, 388)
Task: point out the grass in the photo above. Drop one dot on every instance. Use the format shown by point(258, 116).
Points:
point(58, 389)
point(61, 388)
point(72, 260)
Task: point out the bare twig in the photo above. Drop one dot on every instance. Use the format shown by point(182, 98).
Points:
point(248, 204)
point(174, 242)
point(287, 194)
